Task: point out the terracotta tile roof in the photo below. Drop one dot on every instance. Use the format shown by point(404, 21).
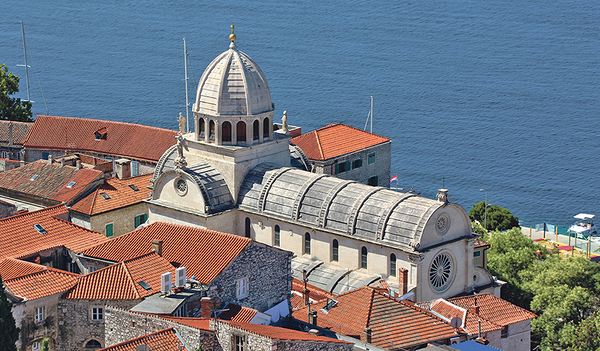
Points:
point(494, 309)
point(198, 323)
point(480, 244)
point(43, 283)
point(315, 294)
point(335, 140)
point(205, 253)
point(78, 134)
point(18, 237)
point(120, 281)
point(162, 340)
point(238, 313)
point(394, 324)
point(120, 194)
point(468, 322)
point(278, 333)
point(51, 181)
point(19, 131)
point(11, 268)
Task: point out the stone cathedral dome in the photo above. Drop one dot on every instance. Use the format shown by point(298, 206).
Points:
point(233, 85)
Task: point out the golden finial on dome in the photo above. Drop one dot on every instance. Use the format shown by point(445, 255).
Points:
point(232, 36)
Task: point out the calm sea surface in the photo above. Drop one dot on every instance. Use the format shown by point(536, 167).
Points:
point(497, 94)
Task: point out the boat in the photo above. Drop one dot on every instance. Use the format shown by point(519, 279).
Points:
point(583, 226)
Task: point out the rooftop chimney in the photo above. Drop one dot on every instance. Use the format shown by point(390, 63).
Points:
point(123, 168)
point(62, 161)
point(50, 159)
point(205, 307)
point(10, 133)
point(403, 280)
point(157, 246)
point(78, 164)
point(366, 337)
point(312, 318)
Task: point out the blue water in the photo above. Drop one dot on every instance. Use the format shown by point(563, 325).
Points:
point(495, 94)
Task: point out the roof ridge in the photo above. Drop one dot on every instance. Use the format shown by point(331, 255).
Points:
point(319, 145)
point(139, 338)
point(368, 322)
point(75, 225)
point(130, 278)
point(32, 212)
point(104, 121)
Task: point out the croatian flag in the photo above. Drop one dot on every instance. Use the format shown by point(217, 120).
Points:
point(394, 180)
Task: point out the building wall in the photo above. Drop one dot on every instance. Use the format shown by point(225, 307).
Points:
point(269, 274)
point(24, 314)
point(225, 221)
point(123, 219)
point(519, 337)
point(122, 325)
point(76, 327)
point(7, 209)
point(380, 168)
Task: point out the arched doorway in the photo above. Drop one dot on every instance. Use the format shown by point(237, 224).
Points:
point(241, 131)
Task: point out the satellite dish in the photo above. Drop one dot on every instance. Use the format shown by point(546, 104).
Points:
point(454, 323)
point(142, 347)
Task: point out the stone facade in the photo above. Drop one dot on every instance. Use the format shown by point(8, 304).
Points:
point(76, 327)
point(123, 219)
point(121, 325)
point(32, 331)
point(7, 209)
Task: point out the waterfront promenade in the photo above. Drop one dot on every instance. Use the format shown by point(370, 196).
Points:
point(562, 239)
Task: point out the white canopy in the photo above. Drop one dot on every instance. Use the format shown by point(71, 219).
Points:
point(584, 216)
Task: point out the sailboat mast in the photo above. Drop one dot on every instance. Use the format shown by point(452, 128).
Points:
point(26, 66)
point(187, 103)
point(371, 114)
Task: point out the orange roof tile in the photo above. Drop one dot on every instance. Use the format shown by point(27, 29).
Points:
point(51, 181)
point(47, 282)
point(394, 324)
point(315, 294)
point(19, 132)
point(120, 194)
point(278, 333)
point(198, 323)
point(18, 237)
point(162, 340)
point(480, 243)
point(205, 253)
point(120, 281)
point(494, 309)
point(11, 268)
point(335, 140)
point(78, 134)
point(238, 313)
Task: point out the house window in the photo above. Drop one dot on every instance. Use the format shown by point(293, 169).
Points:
point(372, 158)
point(277, 241)
point(336, 251)
point(97, 314)
point(109, 230)
point(247, 229)
point(36, 346)
point(45, 155)
point(504, 332)
point(40, 314)
point(241, 288)
point(141, 219)
point(307, 244)
point(363, 258)
point(4, 154)
point(92, 269)
point(342, 167)
point(135, 168)
point(393, 265)
point(374, 181)
point(93, 344)
point(477, 253)
point(239, 342)
point(357, 163)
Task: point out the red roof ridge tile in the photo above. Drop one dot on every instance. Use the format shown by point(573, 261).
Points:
point(32, 213)
point(140, 338)
point(103, 120)
point(320, 148)
point(75, 225)
point(130, 279)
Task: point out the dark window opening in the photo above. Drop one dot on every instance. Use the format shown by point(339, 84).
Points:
point(277, 241)
point(255, 130)
point(241, 131)
point(372, 158)
point(266, 128)
point(93, 344)
point(357, 163)
point(336, 251)
point(374, 181)
point(201, 126)
point(307, 244)
point(247, 231)
point(363, 258)
point(226, 132)
point(342, 167)
point(393, 265)
point(211, 130)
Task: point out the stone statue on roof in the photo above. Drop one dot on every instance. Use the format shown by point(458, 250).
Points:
point(181, 120)
point(180, 161)
point(284, 124)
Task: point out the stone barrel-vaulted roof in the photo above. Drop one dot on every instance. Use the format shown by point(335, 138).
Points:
point(233, 84)
point(340, 206)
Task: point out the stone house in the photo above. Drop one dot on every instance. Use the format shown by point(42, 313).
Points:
point(7, 209)
point(348, 153)
point(236, 269)
point(503, 325)
point(115, 207)
point(12, 137)
point(58, 136)
point(37, 290)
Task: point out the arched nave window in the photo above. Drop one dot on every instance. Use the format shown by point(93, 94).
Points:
point(336, 251)
point(307, 244)
point(363, 258)
point(393, 265)
point(247, 232)
point(277, 240)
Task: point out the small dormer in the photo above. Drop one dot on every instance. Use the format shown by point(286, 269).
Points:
point(101, 134)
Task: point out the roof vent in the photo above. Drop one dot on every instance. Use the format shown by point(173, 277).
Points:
point(330, 304)
point(135, 188)
point(39, 228)
point(71, 184)
point(35, 176)
point(105, 196)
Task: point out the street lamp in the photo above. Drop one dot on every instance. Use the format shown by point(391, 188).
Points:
point(486, 206)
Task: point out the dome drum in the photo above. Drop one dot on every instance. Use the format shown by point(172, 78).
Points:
point(234, 130)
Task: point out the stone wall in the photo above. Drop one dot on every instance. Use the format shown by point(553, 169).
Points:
point(123, 219)
point(305, 345)
point(122, 325)
point(268, 270)
point(76, 327)
point(7, 209)
point(24, 314)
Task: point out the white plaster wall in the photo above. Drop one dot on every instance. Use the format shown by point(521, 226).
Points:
point(519, 337)
point(460, 225)
point(164, 189)
point(224, 222)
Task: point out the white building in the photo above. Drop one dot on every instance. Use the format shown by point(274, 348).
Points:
point(233, 175)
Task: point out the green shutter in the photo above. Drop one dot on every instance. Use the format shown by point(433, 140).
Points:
point(109, 230)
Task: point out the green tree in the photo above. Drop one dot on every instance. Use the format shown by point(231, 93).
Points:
point(498, 218)
point(9, 333)
point(12, 109)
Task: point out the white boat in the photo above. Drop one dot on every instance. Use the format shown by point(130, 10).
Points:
point(584, 225)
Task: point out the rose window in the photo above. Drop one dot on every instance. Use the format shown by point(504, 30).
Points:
point(440, 271)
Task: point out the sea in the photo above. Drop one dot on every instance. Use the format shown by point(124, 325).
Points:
point(493, 98)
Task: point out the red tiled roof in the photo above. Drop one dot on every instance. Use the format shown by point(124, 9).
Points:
point(18, 237)
point(19, 132)
point(162, 340)
point(480, 243)
point(43, 283)
point(198, 323)
point(11, 268)
point(315, 294)
point(238, 313)
point(78, 134)
point(335, 140)
point(278, 333)
point(394, 324)
point(494, 309)
point(205, 253)
point(51, 181)
point(120, 281)
point(120, 194)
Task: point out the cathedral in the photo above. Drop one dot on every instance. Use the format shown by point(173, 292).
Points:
point(234, 174)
